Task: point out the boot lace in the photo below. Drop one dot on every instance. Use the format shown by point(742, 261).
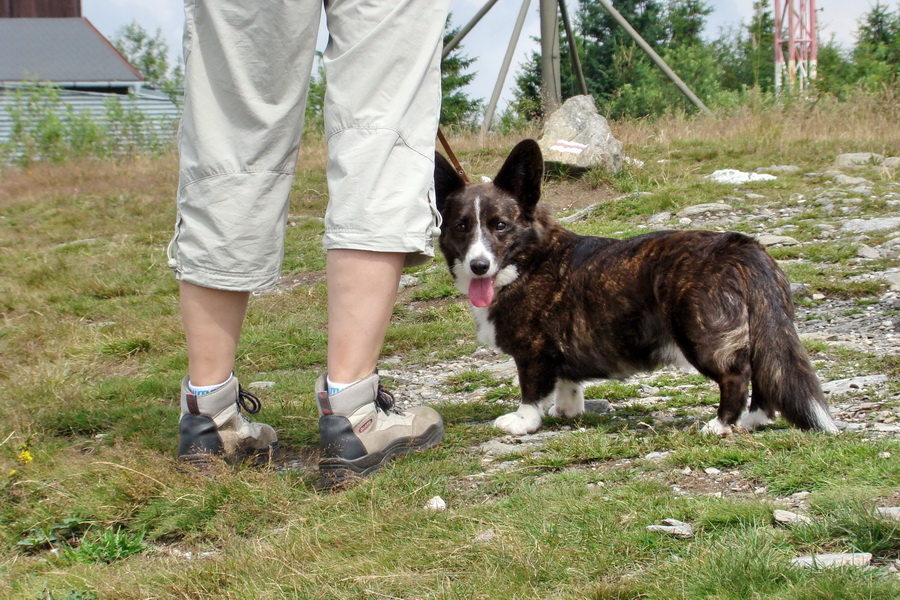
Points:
point(248, 402)
point(385, 400)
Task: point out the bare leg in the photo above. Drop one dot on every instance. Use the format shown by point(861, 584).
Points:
point(362, 289)
point(212, 326)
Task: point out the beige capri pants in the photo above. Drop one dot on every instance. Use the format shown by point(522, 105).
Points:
point(247, 72)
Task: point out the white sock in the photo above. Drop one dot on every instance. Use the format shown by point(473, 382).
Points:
point(202, 390)
point(335, 387)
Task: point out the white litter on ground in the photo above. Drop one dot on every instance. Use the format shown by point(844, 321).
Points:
point(735, 176)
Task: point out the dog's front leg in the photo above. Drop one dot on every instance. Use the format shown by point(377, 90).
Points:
point(537, 395)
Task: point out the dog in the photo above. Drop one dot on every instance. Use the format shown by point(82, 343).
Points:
point(570, 308)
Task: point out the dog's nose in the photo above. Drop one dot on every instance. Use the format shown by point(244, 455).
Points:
point(480, 266)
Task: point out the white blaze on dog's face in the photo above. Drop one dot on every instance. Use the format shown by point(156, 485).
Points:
point(480, 226)
point(483, 223)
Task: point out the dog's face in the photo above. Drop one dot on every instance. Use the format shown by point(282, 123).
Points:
point(484, 224)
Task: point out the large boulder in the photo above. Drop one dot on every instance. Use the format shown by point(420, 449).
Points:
point(578, 136)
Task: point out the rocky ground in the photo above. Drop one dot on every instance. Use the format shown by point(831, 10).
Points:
point(859, 401)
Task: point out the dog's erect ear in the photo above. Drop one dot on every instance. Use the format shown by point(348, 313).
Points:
point(521, 175)
point(446, 181)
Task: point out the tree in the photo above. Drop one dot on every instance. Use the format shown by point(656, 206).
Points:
point(527, 93)
point(609, 57)
point(457, 109)
point(149, 55)
point(685, 21)
point(645, 90)
point(747, 54)
point(877, 52)
point(314, 119)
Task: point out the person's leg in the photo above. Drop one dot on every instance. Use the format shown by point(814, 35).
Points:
point(381, 113)
point(247, 69)
point(212, 325)
point(362, 288)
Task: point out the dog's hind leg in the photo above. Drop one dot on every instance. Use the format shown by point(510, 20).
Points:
point(759, 413)
point(732, 402)
point(569, 400)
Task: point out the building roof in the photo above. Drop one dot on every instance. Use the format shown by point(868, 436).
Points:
point(60, 51)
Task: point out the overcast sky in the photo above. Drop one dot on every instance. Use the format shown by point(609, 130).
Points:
point(487, 42)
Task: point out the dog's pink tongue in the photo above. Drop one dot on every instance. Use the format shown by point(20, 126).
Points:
point(481, 291)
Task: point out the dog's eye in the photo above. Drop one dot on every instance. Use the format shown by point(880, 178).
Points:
point(500, 226)
point(461, 226)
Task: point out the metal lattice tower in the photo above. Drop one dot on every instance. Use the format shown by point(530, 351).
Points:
point(795, 40)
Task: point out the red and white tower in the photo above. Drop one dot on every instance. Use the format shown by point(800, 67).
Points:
point(795, 39)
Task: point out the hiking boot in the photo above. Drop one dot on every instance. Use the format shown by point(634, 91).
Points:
point(215, 425)
point(360, 429)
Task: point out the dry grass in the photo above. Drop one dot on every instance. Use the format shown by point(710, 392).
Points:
point(866, 122)
point(91, 353)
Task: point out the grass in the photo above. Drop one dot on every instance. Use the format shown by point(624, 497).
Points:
point(93, 505)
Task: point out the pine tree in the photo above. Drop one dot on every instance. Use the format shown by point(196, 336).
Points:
point(747, 55)
point(685, 20)
point(877, 52)
point(457, 109)
point(611, 58)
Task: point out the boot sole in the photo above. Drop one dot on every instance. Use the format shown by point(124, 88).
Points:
point(338, 472)
point(204, 462)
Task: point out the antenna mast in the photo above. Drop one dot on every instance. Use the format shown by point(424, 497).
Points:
point(795, 37)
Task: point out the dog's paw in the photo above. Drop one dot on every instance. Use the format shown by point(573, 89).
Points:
point(716, 427)
point(753, 420)
point(525, 420)
point(564, 413)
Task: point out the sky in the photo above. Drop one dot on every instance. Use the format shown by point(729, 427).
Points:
point(488, 40)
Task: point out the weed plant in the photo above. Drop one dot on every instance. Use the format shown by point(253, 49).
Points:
point(46, 129)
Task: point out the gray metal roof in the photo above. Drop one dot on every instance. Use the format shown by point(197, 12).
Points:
point(60, 51)
point(160, 113)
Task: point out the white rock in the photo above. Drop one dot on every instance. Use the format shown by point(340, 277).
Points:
point(408, 281)
point(778, 169)
point(842, 386)
point(852, 160)
point(867, 252)
point(891, 512)
point(576, 134)
point(260, 385)
point(830, 561)
point(712, 471)
point(870, 225)
point(660, 217)
point(847, 180)
point(484, 536)
point(656, 455)
point(790, 518)
point(735, 176)
point(673, 527)
point(767, 239)
point(699, 209)
point(436, 503)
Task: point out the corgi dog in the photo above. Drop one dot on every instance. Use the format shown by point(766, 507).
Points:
point(570, 308)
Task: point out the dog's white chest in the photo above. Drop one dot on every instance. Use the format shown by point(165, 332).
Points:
point(486, 333)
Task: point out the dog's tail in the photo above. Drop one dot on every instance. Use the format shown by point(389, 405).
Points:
point(782, 376)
